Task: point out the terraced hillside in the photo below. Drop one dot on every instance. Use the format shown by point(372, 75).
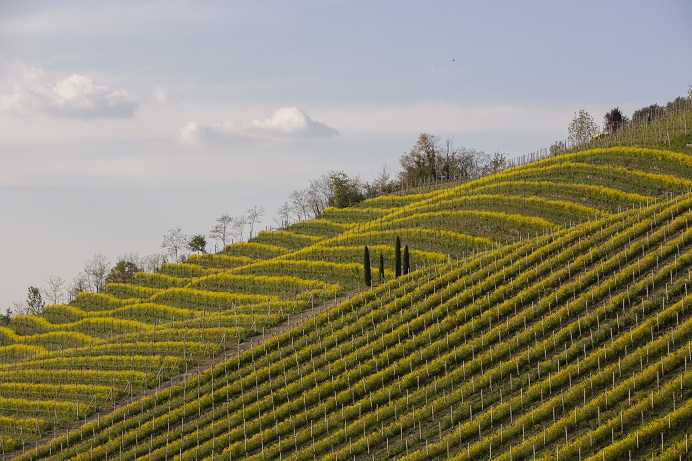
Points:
point(545, 317)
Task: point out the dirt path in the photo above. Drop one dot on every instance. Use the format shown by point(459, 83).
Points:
point(202, 366)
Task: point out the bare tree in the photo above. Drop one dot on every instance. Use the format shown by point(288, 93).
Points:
point(309, 203)
point(318, 194)
point(96, 270)
point(79, 284)
point(54, 290)
point(174, 242)
point(222, 230)
point(152, 263)
point(298, 200)
point(254, 216)
point(382, 183)
point(134, 258)
point(283, 217)
point(470, 163)
point(558, 147)
point(431, 159)
point(20, 307)
point(238, 227)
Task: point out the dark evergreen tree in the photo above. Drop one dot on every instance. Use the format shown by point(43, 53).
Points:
point(397, 257)
point(366, 267)
point(381, 268)
point(407, 261)
point(614, 120)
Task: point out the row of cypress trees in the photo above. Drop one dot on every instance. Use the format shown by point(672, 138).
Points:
point(399, 266)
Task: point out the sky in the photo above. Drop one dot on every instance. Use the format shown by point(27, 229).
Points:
point(120, 120)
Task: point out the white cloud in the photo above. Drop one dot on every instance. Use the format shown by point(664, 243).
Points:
point(285, 122)
point(76, 96)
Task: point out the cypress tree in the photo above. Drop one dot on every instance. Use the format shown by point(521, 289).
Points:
point(381, 268)
point(407, 261)
point(397, 257)
point(366, 267)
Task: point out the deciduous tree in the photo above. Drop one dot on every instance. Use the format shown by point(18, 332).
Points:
point(254, 216)
point(55, 289)
point(581, 128)
point(174, 242)
point(96, 270)
point(80, 283)
point(238, 227)
point(422, 161)
point(430, 159)
point(283, 216)
point(498, 163)
point(34, 301)
point(344, 191)
point(222, 229)
point(152, 263)
point(123, 272)
point(558, 147)
point(381, 184)
point(299, 204)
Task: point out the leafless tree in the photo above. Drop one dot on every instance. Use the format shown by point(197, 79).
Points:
point(96, 269)
point(134, 258)
point(298, 201)
point(79, 284)
point(222, 230)
point(20, 307)
point(254, 216)
point(382, 183)
point(318, 194)
point(283, 217)
point(238, 226)
point(174, 242)
point(432, 159)
point(54, 291)
point(152, 263)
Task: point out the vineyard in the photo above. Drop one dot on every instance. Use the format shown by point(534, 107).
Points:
point(547, 315)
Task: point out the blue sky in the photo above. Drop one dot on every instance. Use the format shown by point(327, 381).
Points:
point(121, 120)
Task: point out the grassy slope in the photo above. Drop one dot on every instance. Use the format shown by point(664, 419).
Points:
point(535, 337)
point(417, 365)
